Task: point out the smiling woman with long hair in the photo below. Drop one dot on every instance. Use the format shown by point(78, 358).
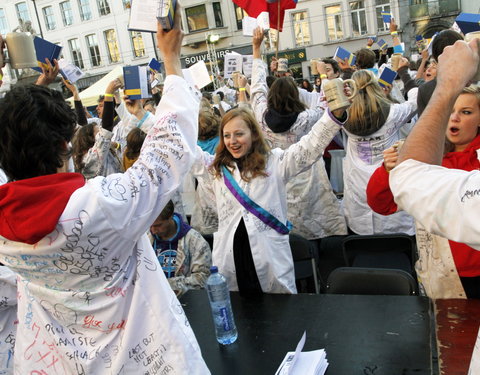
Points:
point(251, 247)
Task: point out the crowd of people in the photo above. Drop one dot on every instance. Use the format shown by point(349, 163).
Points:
point(99, 235)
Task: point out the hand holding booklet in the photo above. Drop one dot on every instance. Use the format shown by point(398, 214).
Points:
point(144, 15)
point(304, 363)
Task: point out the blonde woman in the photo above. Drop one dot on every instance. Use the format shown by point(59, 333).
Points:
point(373, 126)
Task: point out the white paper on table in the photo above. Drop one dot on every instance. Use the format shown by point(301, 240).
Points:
point(291, 357)
point(233, 63)
point(247, 62)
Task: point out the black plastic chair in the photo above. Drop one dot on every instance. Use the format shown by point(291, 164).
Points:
point(304, 255)
point(381, 251)
point(371, 281)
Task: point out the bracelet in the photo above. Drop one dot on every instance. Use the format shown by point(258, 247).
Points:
point(242, 89)
point(369, 46)
point(394, 33)
point(108, 95)
point(1, 76)
point(323, 76)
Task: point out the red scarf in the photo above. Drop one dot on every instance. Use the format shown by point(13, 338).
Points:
point(467, 260)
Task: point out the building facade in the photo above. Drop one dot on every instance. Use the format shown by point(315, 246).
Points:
point(95, 36)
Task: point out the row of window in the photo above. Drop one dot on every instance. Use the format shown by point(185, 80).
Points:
point(113, 48)
point(65, 10)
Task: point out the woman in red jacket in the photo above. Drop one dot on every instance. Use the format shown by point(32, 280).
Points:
point(446, 269)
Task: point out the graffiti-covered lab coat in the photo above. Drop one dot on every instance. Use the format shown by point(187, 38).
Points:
point(92, 298)
point(313, 208)
point(270, 250)
point(364, 156)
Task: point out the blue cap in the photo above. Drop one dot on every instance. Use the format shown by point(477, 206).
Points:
point(213, 269)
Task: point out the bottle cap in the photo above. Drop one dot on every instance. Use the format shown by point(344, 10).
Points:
point(213, 269)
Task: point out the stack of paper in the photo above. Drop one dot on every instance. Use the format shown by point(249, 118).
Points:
point(304, 363)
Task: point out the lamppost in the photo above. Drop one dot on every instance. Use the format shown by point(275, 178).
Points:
point(38, 19)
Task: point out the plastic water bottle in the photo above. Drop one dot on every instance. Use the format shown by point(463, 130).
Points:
point(219, 297)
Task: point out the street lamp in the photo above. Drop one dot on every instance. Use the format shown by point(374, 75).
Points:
point(38, 19)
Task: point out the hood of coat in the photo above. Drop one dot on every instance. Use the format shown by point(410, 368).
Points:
point(172, 243)
point(278, 122)
point(30, 208)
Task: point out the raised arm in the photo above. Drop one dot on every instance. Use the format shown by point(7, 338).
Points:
point(425, 142)
point(79, 110)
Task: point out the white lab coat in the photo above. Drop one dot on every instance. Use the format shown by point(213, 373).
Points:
point(313, 208)
point(8, 319)
point(446, 202)
point(364, 156)
point(270, 250)
point(92, 296)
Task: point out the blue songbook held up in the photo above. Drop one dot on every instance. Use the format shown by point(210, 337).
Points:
point(398, 49)
point(136, 82)
point(386, 77)
point(382, 44)
point(373, 37)
point(468, 22)
point(387, 17)
point(45, 50)
point(342, 54)
point(155, 65)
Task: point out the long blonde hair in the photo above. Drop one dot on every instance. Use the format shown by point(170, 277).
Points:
point(369, 109)
point(254, 163)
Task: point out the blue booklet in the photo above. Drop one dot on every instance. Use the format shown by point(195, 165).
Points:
point(382, 44)
point(386, 77)
point(342, 54)
point(419, 38)
point(387, 17)
point(45, 50)
point(155, 65)
point(136, 82)
point(398, 49)
point(468, 22)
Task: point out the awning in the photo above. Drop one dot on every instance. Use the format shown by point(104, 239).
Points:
point(90, 95)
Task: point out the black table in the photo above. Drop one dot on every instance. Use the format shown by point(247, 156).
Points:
point(364, 335)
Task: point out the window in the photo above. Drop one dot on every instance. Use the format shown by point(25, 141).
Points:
point(126, 4)
point(3, 22)
point(76, 53)
point(197, 18)
point(93, 49)
point(359, 22)
point(239, 15)
point(334, 22)
point(301, 28)
point(22, 12)
point(381, 6)
point(112, 45)
point(217, 12)
point(67, 15)
point(49, 18)
point(137, 43)
point(103, 7)
point(85, 12)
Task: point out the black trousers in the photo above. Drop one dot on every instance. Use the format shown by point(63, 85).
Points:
point(247, 279)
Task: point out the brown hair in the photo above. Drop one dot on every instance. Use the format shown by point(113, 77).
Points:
point(365, 58)
point(208, 125)
point(283, 96)
point(252, 164)
point(82, 141)
point(167, 211)
point(135, 139)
